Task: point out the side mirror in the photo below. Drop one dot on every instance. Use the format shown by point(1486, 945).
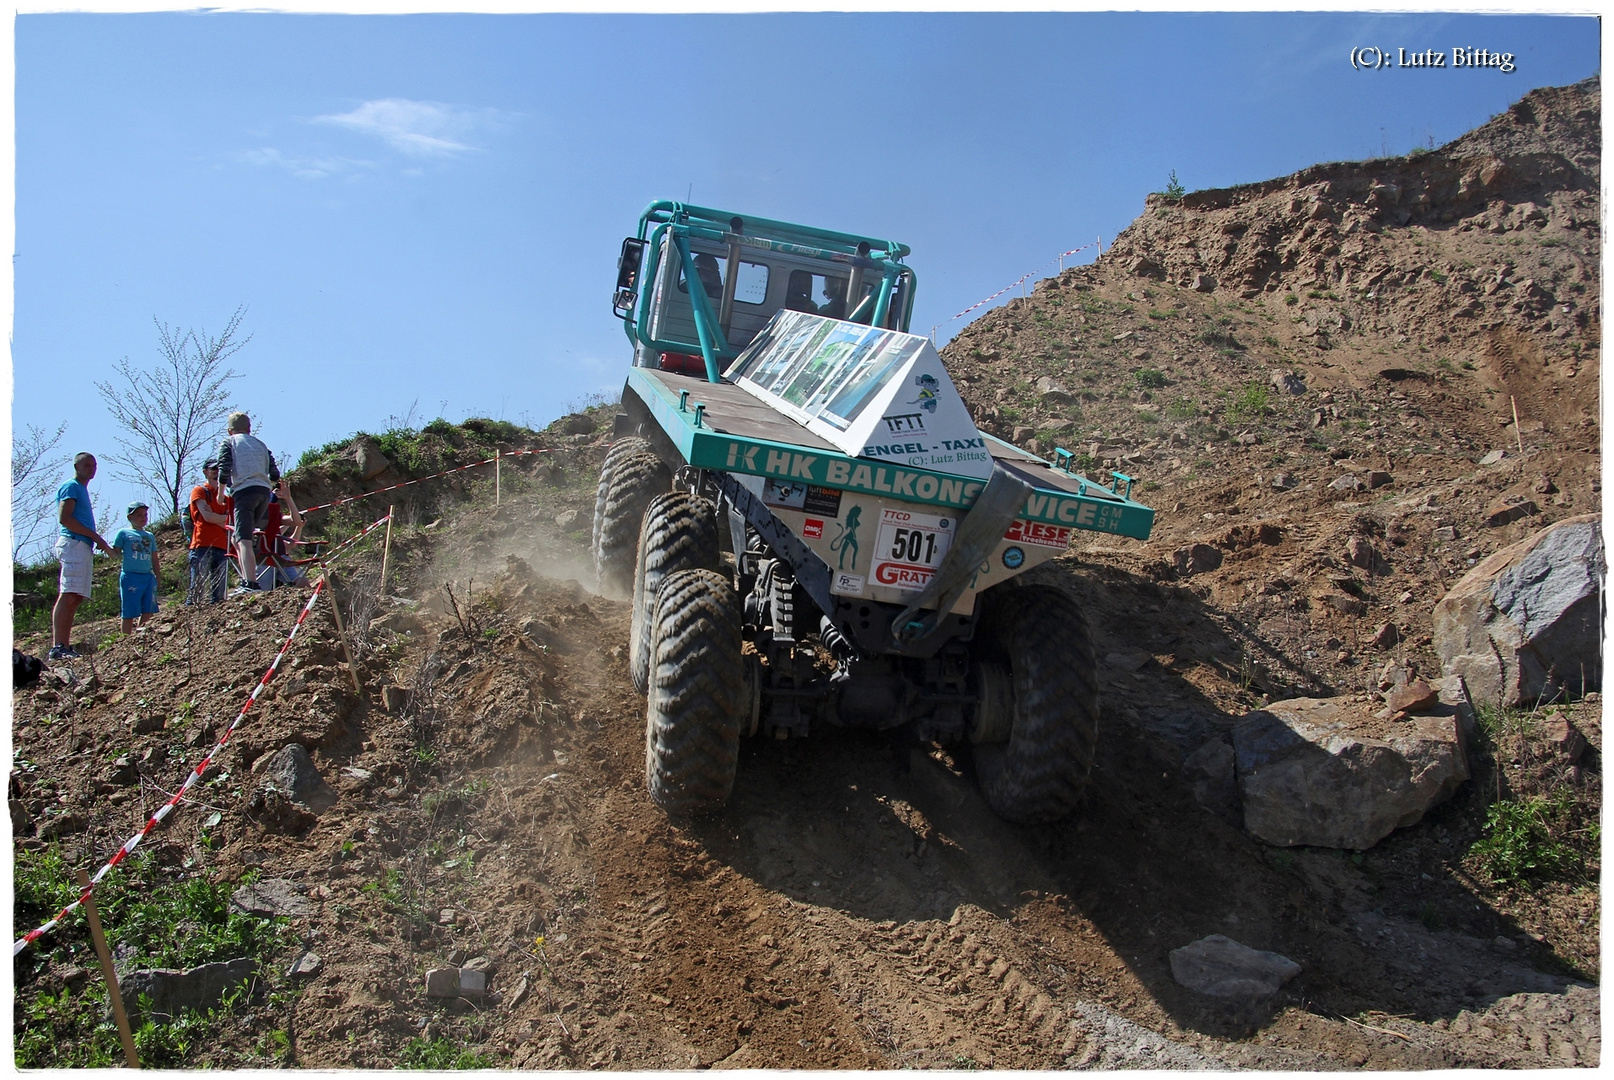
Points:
point(627, 266)
point(627, 274)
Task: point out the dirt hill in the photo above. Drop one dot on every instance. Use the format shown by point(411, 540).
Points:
point(858, 905)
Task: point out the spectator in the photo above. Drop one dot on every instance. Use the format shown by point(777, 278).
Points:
point(75, 548)
point(248, 472)
point(210, 513)
point(137, 582)
point(279, 545)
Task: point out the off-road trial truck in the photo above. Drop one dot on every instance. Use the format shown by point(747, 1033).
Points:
point(814, 530)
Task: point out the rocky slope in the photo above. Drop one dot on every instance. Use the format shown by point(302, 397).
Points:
point(1330, 358)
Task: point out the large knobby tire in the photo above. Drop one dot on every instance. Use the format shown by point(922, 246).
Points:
point(633, 481)
point(697, 692)
point(619, 450)
point(1039, 774)
point(679, 533)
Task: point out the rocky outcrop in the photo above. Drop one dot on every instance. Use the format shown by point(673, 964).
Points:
point(1308, 227)
point(1525, 624)
point(1327, 772)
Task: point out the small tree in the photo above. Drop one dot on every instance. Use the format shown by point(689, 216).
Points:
point(36, 470)
point(1174, 188)
point(175, 411)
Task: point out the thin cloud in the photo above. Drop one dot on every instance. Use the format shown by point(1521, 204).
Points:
point(302, 168)
point(416, 128)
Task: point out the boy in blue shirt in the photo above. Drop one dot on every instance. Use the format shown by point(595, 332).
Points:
point(137, 583)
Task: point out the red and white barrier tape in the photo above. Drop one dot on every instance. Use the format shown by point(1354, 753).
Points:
point(354, 539)
point(422, 479)
point(1022, 278)
point(201, 766)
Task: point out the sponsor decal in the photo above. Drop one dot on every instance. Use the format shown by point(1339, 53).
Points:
point(1035, 532)
point(813, 528)
point(929, 388)
point(1013, 558)
point(904, 423)
point(797, 496)
point(903, 576)
point(822, 500)
point(784, 493)
point(910, 547)
point(846, 541)
point(847, 584)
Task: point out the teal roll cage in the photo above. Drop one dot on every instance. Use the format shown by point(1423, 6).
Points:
point(683, 223)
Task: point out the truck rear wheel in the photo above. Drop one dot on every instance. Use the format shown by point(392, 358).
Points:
point(679, 533)
point(1038, 775)
point(619, 450)
point(629, 484)
point(697, 692)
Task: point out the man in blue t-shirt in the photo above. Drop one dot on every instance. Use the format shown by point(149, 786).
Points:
point(137, 582)
point(74, 548)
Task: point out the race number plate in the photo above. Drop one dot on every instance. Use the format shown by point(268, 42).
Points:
point(910, 548)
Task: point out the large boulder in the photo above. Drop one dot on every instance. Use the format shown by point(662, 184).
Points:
point(372, 461)
point(1525, 624)
point(1327, 772)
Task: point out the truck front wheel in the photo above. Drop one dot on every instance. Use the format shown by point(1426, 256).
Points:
point(697, 694)
point(679, 533)
point(1038, 775)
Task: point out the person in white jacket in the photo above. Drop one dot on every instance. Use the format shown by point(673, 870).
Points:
point(248, 472)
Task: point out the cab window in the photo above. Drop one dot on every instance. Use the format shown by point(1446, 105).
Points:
point(750, 288)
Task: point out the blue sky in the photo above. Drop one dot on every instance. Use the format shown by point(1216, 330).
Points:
point(427, 209)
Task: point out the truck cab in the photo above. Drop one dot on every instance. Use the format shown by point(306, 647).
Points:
point(745, 269)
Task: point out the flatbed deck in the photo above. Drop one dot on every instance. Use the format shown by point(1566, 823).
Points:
point(721, 426)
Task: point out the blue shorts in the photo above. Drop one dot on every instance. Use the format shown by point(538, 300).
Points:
point(139, 594)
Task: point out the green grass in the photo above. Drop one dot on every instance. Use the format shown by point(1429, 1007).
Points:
point(1182, 409)
point(1525, 840)
point(441, 1053)
point(426, 449)
point(1150, 378)
point(1254, 402)
point(153, 919)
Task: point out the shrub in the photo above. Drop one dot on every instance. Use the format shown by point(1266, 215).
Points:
point(441, 1053)
point(1254, 402)
point(1523, 842)
point(1218, 337)
point(1151, 378)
